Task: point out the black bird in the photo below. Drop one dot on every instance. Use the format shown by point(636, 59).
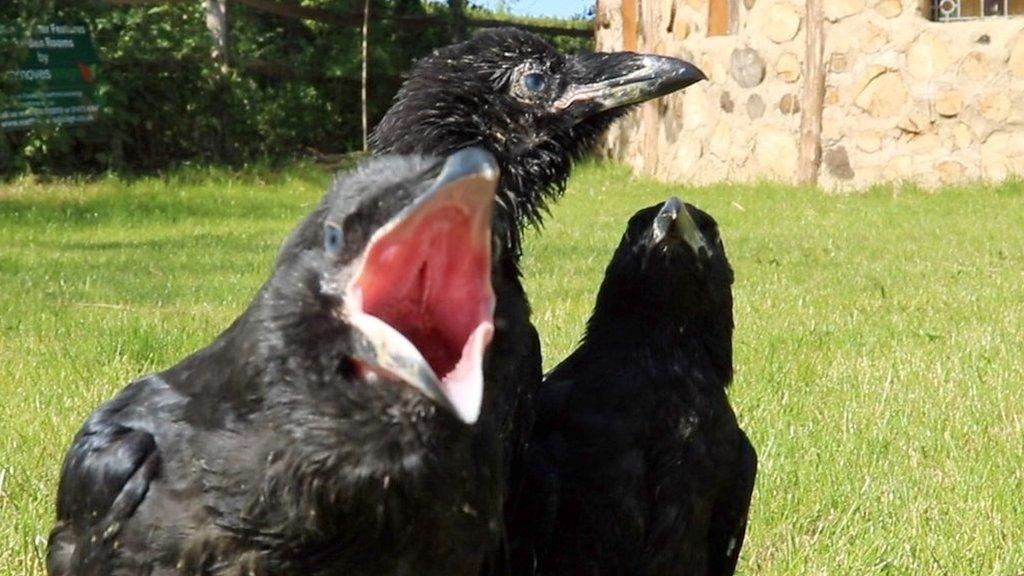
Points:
point(537, 111)
point(328, 430)
point(636, 465)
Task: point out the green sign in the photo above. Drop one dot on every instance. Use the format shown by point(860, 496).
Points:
point(56, 81)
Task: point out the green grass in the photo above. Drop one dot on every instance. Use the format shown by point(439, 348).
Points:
point(880, 348)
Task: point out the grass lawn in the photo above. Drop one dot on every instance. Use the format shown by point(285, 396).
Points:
point(880, 343)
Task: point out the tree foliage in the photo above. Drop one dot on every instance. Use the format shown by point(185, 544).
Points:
point(293, 85)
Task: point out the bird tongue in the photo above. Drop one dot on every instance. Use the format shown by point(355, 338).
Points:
point(430, 280)
point(427, 280)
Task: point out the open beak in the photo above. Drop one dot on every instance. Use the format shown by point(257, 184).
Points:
point(421, 303)
point(674, 224)
point(608, 80)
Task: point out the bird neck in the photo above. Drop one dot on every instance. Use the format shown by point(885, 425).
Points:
point(662, 341)
point(535, 156)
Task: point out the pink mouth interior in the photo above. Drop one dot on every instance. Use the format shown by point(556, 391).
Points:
point(430, 279)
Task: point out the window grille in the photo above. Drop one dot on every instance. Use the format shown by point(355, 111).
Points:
point(952, 10)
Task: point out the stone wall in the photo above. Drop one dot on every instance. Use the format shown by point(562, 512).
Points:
point(906, 98)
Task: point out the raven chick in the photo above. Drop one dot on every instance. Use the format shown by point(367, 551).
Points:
point(637, 465)
point(537, 110)
point(326, 431)
point(511, 93)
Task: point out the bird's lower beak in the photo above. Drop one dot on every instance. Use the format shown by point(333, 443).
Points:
point(612, 80)
point(421, 304)
point(674, 224)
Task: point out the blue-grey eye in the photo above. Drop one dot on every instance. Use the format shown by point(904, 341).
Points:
point(534, 81)
point(333, 239)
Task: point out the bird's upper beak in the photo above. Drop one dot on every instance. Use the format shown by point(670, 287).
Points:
point(674, 224)
point(606, 80)
point(421, 303)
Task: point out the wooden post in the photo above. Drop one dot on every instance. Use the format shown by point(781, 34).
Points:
point(813, 96)
point(457, 12)
point(366, 60)
point(630, 19)
point(650, 120)
point(718, 17)
point(217, 24)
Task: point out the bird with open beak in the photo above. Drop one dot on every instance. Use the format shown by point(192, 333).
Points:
point(537, 111)
point(333, 428)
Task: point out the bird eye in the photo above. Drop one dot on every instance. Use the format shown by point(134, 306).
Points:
point(534, 81)
point(332, 238)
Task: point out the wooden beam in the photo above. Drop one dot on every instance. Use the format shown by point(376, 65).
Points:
point(630, 20)
point(457, 19)
point(146, 2)
point(718, 17)
point(354, 19)
point(650, 118)
point(403, 21)
point(535, 28)
point(365, 75)
point(813, 98)
point(304, 12)
point(269, 68)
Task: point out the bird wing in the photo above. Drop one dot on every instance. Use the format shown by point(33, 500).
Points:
point(106, 475)
point(582, 507)
point(514, 371)
point(699, 506)
point(533, 504)
point(729, 516)
point(679, 490)
point(533, 512)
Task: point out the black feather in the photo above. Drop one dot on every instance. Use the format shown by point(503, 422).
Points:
point(264, 453)
point(636, 465)
point(461, 96)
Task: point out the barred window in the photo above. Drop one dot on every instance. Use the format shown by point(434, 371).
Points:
point(950, 10)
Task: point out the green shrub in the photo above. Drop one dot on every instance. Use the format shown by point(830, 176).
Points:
point(293, 87)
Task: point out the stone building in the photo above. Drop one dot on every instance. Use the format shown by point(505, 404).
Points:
point(930, 92)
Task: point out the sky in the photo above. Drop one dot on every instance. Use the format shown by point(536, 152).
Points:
point(557, 8)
